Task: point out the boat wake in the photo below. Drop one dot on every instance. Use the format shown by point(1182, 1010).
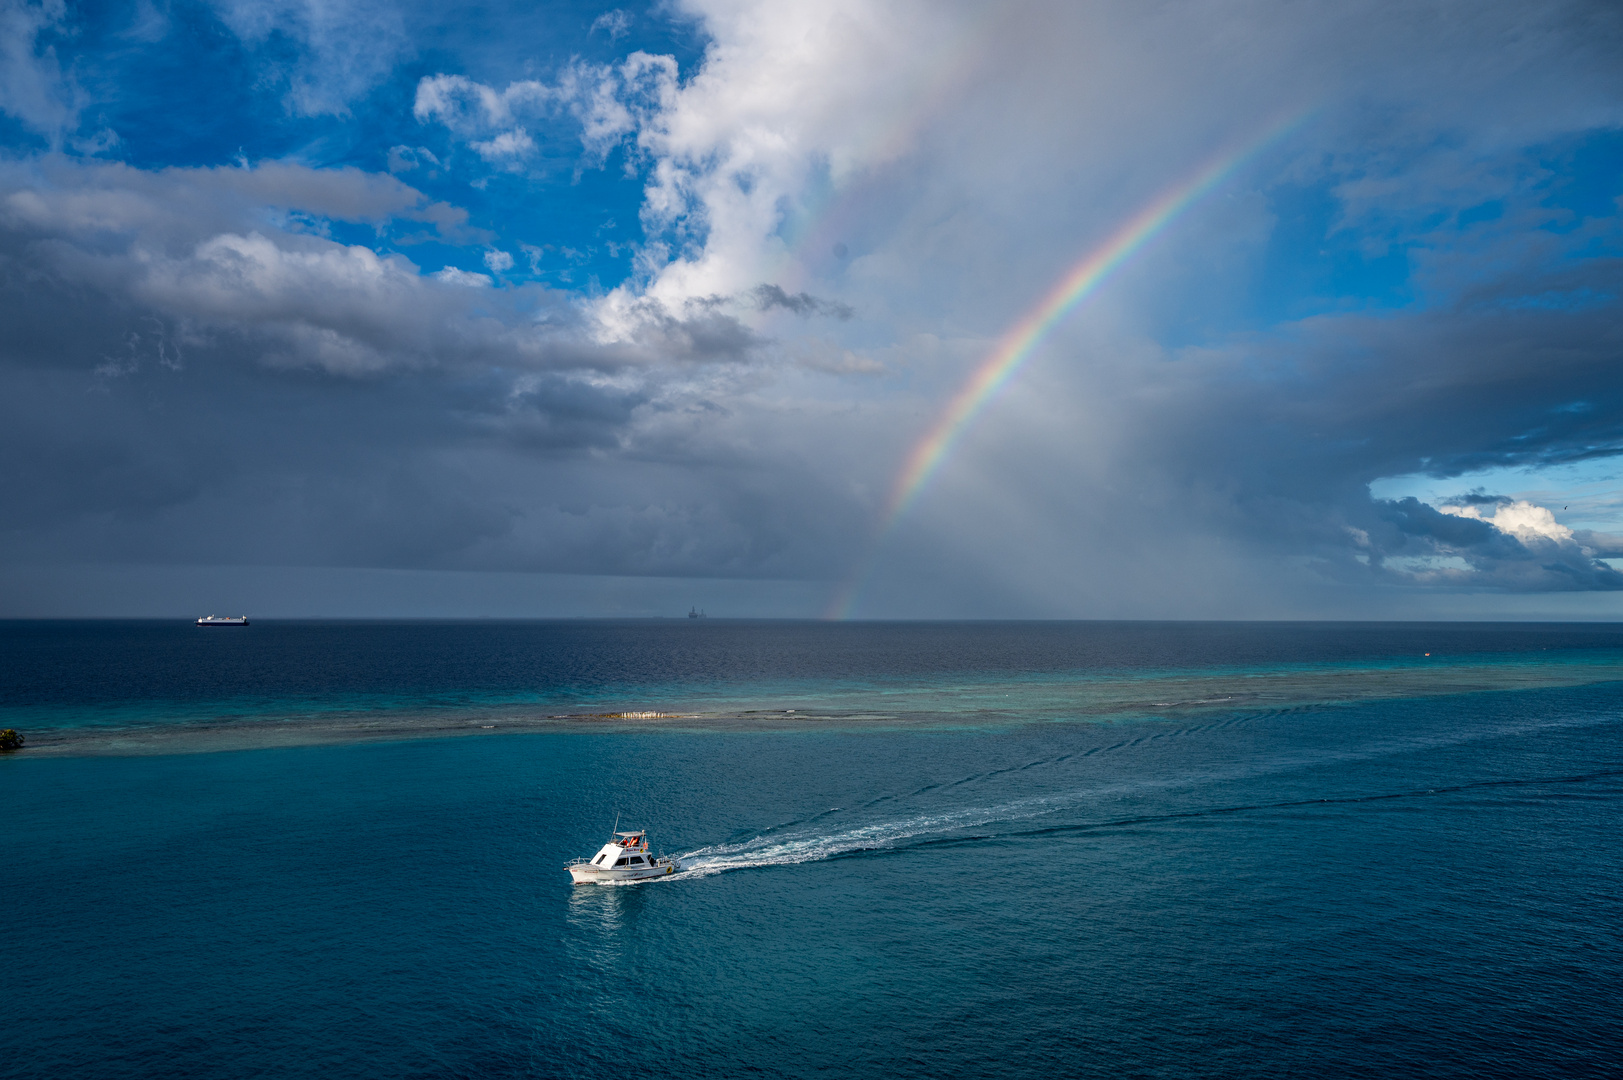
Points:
point(803, 842)
point(800, 846)
point(957, 828)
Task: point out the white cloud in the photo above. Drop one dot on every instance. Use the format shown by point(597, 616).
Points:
point(498, 261)
point(452, 276)
point(940, 129)
point(1521, 519)
point(406, 158)
point(616, 24)
point(468, 107)
point(792, 105)
point(33, 87)
point(509, 148)
point(348, 48)
point(56, 194)
point(613, 101)
point(609, 102)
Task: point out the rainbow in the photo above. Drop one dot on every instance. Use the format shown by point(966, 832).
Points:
point(1021, 340)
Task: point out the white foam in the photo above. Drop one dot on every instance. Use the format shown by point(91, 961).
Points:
point(789, 849)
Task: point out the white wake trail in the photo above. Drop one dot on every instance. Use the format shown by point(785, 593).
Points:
point(801, 847)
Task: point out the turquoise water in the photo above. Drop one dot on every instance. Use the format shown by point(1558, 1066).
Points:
point(1378, 862)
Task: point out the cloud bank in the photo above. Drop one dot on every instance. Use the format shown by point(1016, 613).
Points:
point(350, 353)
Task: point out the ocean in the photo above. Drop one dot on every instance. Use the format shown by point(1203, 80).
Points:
point(930, 849)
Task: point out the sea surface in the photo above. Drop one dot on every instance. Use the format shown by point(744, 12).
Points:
point(915, 850)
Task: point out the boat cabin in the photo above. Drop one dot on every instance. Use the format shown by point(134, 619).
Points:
point(627, 851)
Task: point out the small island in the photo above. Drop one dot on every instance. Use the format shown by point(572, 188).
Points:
point(10, 739)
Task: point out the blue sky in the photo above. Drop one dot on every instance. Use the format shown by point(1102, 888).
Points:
point(364, 308)
point(196, 85)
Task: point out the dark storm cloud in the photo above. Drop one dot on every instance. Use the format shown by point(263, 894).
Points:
point(698, 332)
point(1277, 439)
point(223, 462)
point(192, 371)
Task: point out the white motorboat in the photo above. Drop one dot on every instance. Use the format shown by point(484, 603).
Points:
point(624, 858)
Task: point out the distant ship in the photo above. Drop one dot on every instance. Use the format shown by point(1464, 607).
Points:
point(695, 613)
point(223, 620)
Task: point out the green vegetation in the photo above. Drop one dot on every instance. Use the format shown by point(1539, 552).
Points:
point(10, 740)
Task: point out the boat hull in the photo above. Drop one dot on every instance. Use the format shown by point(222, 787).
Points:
point(586, 874)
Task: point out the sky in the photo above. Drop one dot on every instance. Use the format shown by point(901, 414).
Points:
point(1237, 309)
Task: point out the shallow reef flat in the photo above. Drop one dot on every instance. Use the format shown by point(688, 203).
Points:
point(878, 704)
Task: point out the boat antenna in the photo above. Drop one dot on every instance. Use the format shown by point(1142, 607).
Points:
point(616, 830)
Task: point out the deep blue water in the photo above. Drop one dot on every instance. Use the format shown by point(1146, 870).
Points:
point(1425, 883)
